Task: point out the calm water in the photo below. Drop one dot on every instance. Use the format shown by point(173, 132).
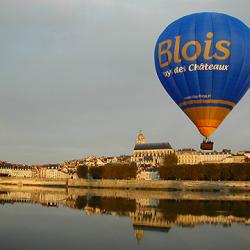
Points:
point(112, 219)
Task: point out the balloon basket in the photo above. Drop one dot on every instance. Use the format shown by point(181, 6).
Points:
point(207, 145)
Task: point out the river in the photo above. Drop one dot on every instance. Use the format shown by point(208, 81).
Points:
point(57, 218)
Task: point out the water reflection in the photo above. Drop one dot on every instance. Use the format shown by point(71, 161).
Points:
point(146, 212)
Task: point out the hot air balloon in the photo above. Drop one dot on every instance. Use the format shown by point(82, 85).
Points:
point(203, 62)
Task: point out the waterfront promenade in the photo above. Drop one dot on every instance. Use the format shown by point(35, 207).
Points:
point(222, 186)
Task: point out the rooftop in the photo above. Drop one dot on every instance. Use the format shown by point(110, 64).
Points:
point(148, 146)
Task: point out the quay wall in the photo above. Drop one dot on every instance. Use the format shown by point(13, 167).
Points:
point(33, 182)
point(225, 186)
point(164, 185)
point(59, 195)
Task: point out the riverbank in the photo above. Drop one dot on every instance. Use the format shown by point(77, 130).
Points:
point(51, 194)
point(211, 186)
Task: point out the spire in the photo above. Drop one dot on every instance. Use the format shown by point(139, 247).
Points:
point(140, 138)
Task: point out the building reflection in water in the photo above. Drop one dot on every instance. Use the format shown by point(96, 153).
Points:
point(147, 214)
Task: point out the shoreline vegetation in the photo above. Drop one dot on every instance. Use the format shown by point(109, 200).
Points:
point(170, 170)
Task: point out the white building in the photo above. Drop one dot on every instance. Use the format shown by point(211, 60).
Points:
point(246, 153)
point(191, 156)
point(17, 171)
point(150, 153)
point(148, 174)
point(235, 159)
point(93, 161)
point(52, 171)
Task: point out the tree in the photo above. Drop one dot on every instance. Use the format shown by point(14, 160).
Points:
point(119, 171)
point(209, 172)
point(96, 172)
point(114, 171)
point(170, 160)
point(168, 170)
point(82, 171)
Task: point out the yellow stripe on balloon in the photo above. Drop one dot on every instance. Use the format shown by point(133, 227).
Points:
point(207, 118)
point(232, 104)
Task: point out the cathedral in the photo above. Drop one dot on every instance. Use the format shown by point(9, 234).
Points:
point(150, 153)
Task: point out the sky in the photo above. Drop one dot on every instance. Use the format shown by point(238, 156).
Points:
point(77, 78)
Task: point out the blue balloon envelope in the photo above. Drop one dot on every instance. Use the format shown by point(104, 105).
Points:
point(203, 62)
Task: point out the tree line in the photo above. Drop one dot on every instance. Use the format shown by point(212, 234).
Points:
point(108, 171)
point(169, 170)
point(209, 172)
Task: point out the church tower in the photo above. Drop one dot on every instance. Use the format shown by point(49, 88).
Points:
point(140, 138)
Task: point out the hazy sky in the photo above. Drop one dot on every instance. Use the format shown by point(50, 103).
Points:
point(77, 78)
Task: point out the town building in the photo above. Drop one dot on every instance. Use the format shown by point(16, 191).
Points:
point(191, 156)
point(246, 153)
point(33, 171)
point(150, 153)
point(148, 173)
point(52, 171)
point(17, 171)
point(238, 158)
point(94, 161)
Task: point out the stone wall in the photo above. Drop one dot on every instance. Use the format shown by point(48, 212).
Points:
point(133, 184)
point(163, 184)
point(33, 181)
